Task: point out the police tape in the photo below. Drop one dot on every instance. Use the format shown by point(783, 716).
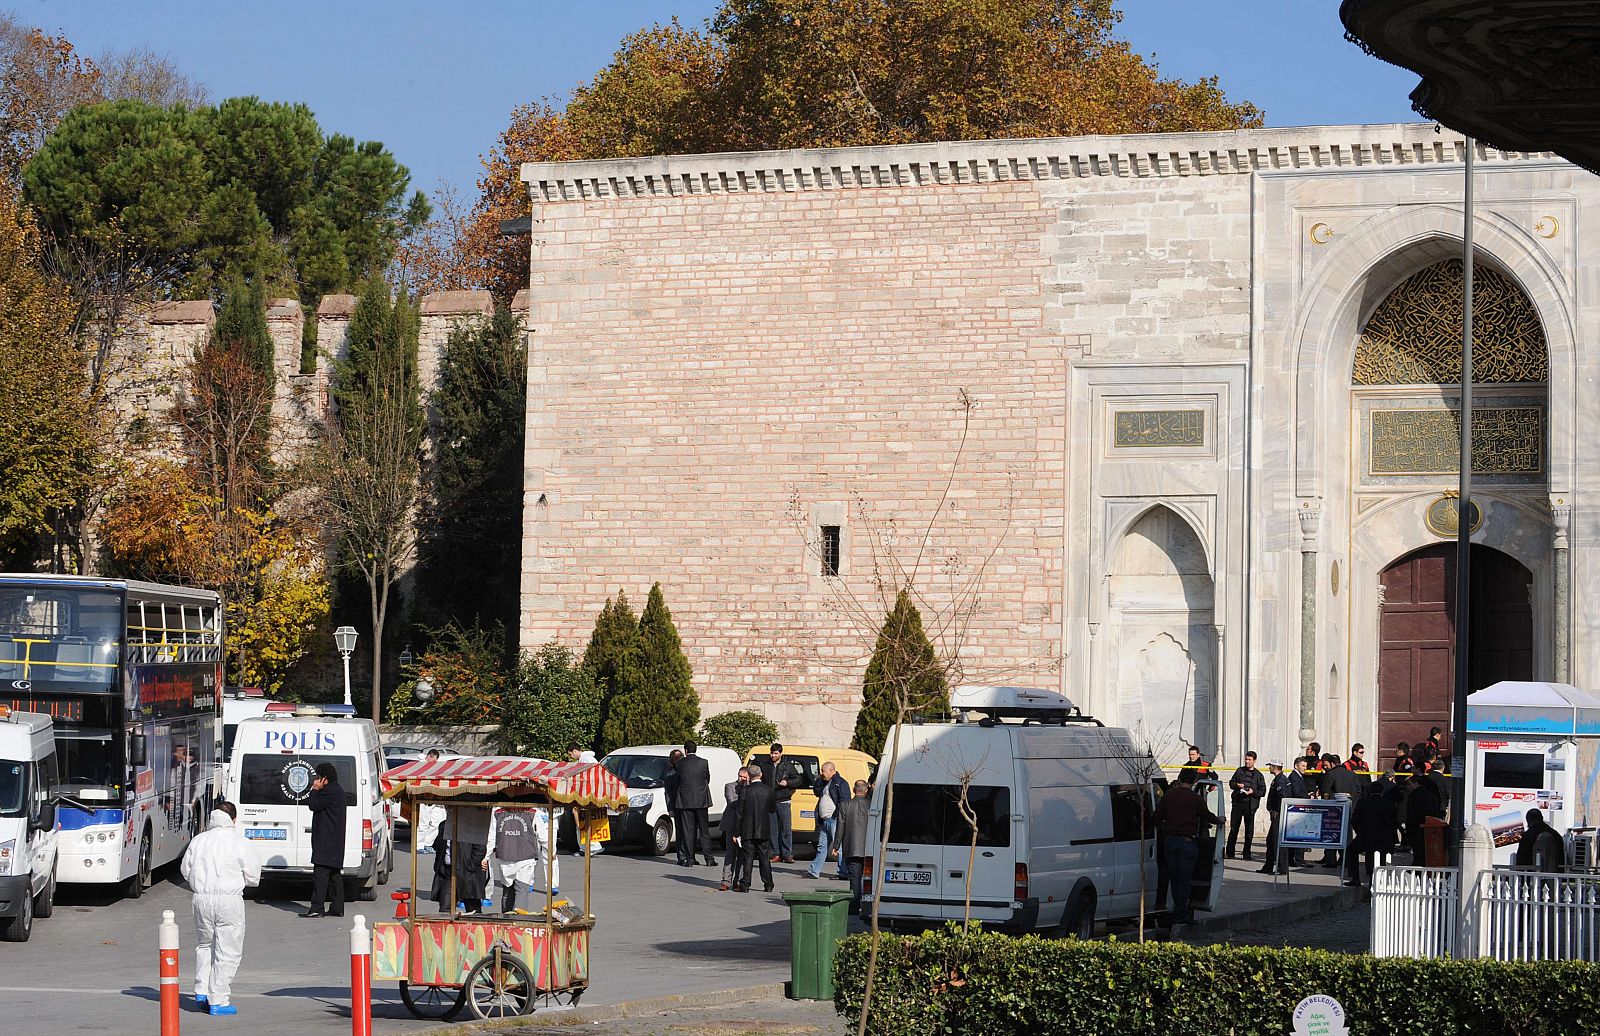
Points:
point(1211, 769)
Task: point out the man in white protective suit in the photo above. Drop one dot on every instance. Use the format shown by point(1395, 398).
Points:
point(218, 866)
point(519, 853)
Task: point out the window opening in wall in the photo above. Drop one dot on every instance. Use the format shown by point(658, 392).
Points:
point(830, 550)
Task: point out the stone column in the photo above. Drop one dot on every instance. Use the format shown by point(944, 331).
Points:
point(1219, 714)
point(1560, 516)
point(1310, 516)
point(1098, 703)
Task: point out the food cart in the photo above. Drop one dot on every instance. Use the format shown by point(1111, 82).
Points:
point(498, 964)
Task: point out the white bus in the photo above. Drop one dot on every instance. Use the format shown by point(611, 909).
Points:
point(131, 673)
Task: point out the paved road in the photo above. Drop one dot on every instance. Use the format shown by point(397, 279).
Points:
point(661, 929)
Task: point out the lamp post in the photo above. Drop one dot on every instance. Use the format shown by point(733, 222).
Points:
point(345, 638)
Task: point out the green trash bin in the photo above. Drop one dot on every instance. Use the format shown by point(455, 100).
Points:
point(817, 921)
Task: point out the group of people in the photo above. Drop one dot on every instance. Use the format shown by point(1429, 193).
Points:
point(757, 821)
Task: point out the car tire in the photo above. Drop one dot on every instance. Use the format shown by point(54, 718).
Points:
point(661, 837)
point(363, 892)
point(44, 904)
point(1078, 921)
point(20, 928)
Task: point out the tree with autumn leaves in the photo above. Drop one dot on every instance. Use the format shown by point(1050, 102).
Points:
point(765, 74)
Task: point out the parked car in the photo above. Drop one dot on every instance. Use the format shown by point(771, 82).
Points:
point(643, 768)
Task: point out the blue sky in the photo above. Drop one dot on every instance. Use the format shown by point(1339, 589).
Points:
point(437, 81)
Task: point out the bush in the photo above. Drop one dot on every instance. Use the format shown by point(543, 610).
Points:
point(469, 679)
point(955, 981)
point(740, 730)
point(553, 703)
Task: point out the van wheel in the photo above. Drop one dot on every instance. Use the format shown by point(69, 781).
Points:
point(1079, 920)
point(661, 837)
point(134, 887)
point(19, 928)
point(45, 903)
point(365, 893)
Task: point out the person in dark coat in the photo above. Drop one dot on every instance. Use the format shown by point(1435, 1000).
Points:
point(755, 833)
point(1421, 803)
point(1542, 847)
point(783, 777)
point(694, 806)
point(669, 785)
point(855, 835)
point(1275, 793)
point(1299, 787)
point(1248, 787)
point(1374, 830)
point(327, 805)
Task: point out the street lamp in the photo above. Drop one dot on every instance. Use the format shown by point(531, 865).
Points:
point(406, 657)
point(345, 639)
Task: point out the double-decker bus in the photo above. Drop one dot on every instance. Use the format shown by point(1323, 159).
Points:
point(131, 673)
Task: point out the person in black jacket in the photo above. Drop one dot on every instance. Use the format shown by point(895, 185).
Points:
point(694, 806)
point(1542, 848)
point(1374, 824)
point(1421, 803)
point(755, 832)
point(327, 805)
point(783, 777)
point(1275, 794)
point(1248, 787)
point(732, 793)
point(669, 790)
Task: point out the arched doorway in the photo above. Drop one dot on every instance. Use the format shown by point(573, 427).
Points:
point(1416, 634)
point(1162, 595)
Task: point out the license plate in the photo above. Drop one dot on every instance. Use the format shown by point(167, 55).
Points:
point(268, 833)
point(909, 877)
point(808, 814)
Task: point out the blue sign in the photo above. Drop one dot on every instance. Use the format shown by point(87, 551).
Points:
point(1310, 823)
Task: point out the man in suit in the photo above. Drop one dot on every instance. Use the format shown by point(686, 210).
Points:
point(1248, 788)
point(755, 832)
point(1278, 789)
point(694, 803)
point(733, 795)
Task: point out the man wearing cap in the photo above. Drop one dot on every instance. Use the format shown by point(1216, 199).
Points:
point(327, 805)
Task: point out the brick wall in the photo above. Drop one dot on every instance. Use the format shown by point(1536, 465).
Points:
point(712, 378)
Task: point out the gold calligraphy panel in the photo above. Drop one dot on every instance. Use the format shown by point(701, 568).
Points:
point(1142, 428)
point(1506, 440)
point(1414, 336)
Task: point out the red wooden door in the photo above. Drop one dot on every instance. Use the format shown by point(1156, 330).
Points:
point(1417, 636)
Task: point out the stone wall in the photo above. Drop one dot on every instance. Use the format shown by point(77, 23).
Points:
point(732, 351)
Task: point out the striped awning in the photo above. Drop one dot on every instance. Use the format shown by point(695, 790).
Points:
point(582, 784)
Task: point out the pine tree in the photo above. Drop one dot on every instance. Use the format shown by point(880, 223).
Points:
point(904, 669)
point(655, 702)
point(615, 638)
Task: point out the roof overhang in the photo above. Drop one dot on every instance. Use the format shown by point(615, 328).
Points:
point(1520, 75)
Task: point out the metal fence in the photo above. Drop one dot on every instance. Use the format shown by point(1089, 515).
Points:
point(1414, 911)
point(1526, 915)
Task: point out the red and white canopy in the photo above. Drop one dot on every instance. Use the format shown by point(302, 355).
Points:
point(582, 784)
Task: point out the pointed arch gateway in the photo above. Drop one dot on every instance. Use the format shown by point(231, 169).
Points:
point(1162, 599)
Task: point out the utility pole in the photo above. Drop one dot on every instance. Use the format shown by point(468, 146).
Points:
point(1463, 604)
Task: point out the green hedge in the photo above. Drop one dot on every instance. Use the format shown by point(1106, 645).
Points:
point(1034, 986)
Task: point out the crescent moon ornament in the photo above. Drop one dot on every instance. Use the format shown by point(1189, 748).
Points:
point(1320, 233)
point(1547, 227)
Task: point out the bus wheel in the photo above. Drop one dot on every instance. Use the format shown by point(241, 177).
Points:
point(141, 877)
point(19, 928)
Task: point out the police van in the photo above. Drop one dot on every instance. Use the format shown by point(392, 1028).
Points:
point(274, 758)
point(28, 839)
point(1052, 800)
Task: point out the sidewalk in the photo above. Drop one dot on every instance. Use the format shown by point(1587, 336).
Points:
point(753, 1011)
point(1250, 899)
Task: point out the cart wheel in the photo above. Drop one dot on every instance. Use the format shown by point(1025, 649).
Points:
point(500, 987)
point(433, 1003)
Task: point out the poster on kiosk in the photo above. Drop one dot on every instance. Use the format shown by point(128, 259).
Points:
point(1532, 746)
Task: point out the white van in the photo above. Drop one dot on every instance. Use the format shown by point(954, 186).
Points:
point(269, 777)
point(1056, 801)
point(643, 768)
point(28, 838)
point(239, 704)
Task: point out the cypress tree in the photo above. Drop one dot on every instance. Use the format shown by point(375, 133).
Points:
point(903, 668)
point(615, 638)
point(242, 326)
point(655, 701)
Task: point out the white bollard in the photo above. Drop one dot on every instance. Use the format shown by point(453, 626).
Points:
point(1477, 860)
point(360, 977)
